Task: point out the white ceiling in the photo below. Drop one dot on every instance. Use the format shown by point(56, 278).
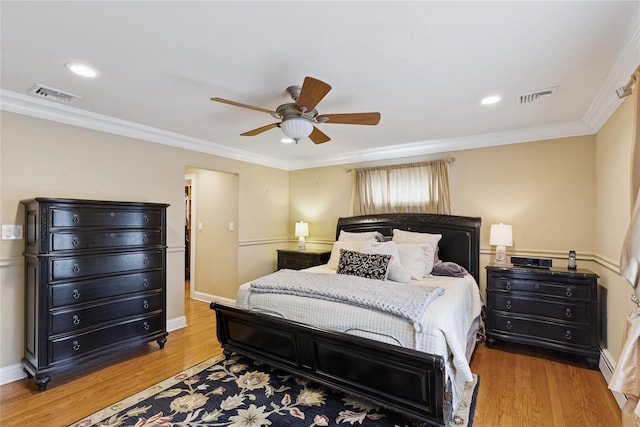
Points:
point(423, 65)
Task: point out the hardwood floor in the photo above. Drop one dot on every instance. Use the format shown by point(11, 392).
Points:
point(518, 386)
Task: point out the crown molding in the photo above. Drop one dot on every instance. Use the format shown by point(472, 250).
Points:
point(606, 101)
point(30, 106)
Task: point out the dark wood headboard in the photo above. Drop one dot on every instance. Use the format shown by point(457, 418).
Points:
point(460, 241)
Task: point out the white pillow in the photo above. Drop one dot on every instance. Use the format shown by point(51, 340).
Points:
point(347, 236)
point(334, 259)
point(383, 248)
point(418, 258)
point(402, 236)
point(398, 273)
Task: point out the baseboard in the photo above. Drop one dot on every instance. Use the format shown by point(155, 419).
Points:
point(11, 373)
point(176, 323)
point(201, 296)
point(607, 365)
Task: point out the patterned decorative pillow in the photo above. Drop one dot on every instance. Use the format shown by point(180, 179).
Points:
point(371, 266)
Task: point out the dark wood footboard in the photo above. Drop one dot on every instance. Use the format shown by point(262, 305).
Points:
point(405, 380)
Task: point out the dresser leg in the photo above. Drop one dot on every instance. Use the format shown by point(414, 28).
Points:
point(593, 363)
point(161, 342)
point(42, 382)
point(490, 342)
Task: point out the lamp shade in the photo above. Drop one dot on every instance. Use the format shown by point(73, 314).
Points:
point(297, 128)
point(501, 235)
point(302, 229)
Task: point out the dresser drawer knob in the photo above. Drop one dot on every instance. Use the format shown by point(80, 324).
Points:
point(145, 283)
point(567, 335)
point(76, 294)
point(508, 305)
point(568, 312)
point(508, 286)
point(145, 239)
point(145, 304)
point(76, 219)
point(76, 241)
point(536, 286)
point(146, 261)
point(76, 268)
point(509, 325)
point(146, 326)
point(112, 235)
point(76, 346)
point(146, 219)
point(76, 320)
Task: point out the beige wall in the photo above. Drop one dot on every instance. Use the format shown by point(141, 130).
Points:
point(44, 158)
point(613, 213)
point(568, 193)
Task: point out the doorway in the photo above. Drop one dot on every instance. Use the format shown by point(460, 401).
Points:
point(211, 233)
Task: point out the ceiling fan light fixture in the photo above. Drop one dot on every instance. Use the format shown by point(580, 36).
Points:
point(297, 128)
point(286, 140)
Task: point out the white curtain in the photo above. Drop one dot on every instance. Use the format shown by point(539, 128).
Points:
point(415, 188)
point(626, 376)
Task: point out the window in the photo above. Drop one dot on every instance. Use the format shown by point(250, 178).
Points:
point(416, 188)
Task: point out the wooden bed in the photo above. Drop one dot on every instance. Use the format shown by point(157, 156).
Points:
point(405, 380)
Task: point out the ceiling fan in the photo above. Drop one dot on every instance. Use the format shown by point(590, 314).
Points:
point(298, 118)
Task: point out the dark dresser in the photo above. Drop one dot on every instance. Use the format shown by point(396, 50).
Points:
point(556, 308)
point(95, 281)
point(295, 259)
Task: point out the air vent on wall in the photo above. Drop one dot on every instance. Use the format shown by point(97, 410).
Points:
point(53, 94)
point(537, 96)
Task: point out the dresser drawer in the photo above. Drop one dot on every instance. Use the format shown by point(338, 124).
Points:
point(105, 217)
point(568, 290)
point(70, 241)
point(76, 319)
point(69, 268)
point(574, 335)
point(91, 290)
point(558, 309)
point(74, 346)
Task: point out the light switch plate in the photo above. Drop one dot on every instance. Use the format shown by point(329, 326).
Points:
point(11, 232)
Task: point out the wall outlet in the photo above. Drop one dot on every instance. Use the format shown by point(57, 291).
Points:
point(11, 232)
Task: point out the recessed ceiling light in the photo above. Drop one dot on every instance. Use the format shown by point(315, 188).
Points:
point(81, 69)
point(490, 100)
point(286, 140)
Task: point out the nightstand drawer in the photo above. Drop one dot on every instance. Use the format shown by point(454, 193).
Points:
point(557, 310)
point(575, 335)
point(567, 290)
point(297, 260)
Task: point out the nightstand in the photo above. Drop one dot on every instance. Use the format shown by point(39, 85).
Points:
point(556, 308)
point(296, 260)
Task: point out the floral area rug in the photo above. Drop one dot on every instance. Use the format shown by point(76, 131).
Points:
point(240, 392)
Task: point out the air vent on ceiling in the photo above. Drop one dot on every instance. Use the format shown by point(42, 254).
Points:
point(537, 96)
point(53, 94)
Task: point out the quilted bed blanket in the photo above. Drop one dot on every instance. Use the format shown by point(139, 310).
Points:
point(408, 302)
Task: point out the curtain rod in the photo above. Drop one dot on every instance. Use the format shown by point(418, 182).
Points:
point(627, 89)
point(448, 160)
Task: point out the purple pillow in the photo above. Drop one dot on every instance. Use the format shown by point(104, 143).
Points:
point(446, 268)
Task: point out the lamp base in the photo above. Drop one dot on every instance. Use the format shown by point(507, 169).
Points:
point(501, 255)
point(301, 243)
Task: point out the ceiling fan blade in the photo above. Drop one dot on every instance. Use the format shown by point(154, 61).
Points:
point(239, 104)
point(318, 137)
point(351, 118)
point(260, 130)
point(312, 91)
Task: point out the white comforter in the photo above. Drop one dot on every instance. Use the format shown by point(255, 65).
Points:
point(444, 326)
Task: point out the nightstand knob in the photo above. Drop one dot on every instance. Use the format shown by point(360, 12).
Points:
point(76, 294)
point(567, 335)
point(76, 346)
point(568, 292)
point(76, 320)
point(568, 312)
point(508, 305)
point(145, 326)
point(508, 286)
point(145, 304)
point(509, 325)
